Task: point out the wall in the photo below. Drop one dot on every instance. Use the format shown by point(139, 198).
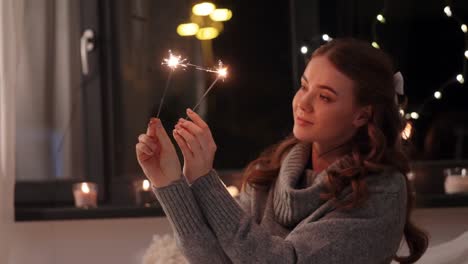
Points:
point(123, 241)
point(116, 241)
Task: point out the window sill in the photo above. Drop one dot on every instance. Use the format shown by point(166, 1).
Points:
point(72, 213)
point(24, 214)
point(441, 200)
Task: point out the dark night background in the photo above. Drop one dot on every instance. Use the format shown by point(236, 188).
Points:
point(426, 45)
point(261, 44)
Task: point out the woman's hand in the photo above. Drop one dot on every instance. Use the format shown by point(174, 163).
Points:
point(157, 156)
point(197, 145)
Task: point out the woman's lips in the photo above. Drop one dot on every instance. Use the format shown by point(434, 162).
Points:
point(303, 122)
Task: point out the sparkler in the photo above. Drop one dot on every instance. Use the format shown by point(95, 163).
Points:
point(174, 62)
point(221, 72)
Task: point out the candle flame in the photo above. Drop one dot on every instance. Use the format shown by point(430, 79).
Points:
point(233, 191)
point(85, 187)
point(146, 185)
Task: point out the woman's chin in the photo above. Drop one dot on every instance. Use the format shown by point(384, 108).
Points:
point(302, 134)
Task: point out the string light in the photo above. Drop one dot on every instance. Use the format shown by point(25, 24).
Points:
point(460, 79)
point(414, 115)
point(309, 43)
point(326, 37)
point(381, 18)
point(448, 11)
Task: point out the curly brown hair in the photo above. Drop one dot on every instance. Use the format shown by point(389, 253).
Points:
point(375, 146)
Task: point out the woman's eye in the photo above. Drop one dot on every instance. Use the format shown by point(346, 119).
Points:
point(326, 99)
point(303, 87)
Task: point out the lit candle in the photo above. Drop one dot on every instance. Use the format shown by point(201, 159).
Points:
point(143, 194)
point(146, 185)
point(85, 194)
point(456, 180)
point(233, 190)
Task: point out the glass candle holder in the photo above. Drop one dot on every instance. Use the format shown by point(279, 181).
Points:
point(456, 180)
point(85, 194)
point(144, 195)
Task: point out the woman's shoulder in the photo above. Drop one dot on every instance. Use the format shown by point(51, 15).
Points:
point(389, 180)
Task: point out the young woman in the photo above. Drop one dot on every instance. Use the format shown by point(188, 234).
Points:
point(335, 191)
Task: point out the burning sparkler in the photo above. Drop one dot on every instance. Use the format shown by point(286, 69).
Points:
point(221, 72)
point(175, 62)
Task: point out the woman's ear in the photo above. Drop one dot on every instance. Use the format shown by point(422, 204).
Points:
point(363, 116)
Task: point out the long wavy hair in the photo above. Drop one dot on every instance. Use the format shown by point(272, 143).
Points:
point(375, 146)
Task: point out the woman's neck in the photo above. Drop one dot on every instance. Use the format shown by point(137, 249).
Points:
point(323, 156)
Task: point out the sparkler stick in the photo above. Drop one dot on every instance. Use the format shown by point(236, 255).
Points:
point(222, 73)
point(168, 81)
point(172, 62)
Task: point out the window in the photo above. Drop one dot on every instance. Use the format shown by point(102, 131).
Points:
point(59, 116)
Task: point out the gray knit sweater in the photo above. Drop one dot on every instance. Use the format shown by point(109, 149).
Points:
point(288, 223)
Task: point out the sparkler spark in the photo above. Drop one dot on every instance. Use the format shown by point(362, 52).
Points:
point(222, 74)
point(174, 62)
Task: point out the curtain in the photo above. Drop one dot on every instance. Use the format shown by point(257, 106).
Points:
point(11, 15)
point(48, 102)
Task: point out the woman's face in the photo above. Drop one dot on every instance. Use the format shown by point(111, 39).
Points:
point(323, 108)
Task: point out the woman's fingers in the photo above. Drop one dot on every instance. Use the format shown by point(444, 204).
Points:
point(141, 147)
point(151, 131)
point(197, 119)
point(183, 145)
point(208, 137)
point(190, 139)
point(197, 132)
point(161, 134)
point(150, 142)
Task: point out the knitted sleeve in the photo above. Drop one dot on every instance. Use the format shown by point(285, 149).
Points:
point(192, 234)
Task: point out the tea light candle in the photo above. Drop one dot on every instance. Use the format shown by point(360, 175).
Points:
point(146, 185)
point(456, 180)
point(143, 193)
point(233, 191)
point(85, 194)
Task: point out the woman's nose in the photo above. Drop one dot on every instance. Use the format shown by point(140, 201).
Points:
point(306, 104)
